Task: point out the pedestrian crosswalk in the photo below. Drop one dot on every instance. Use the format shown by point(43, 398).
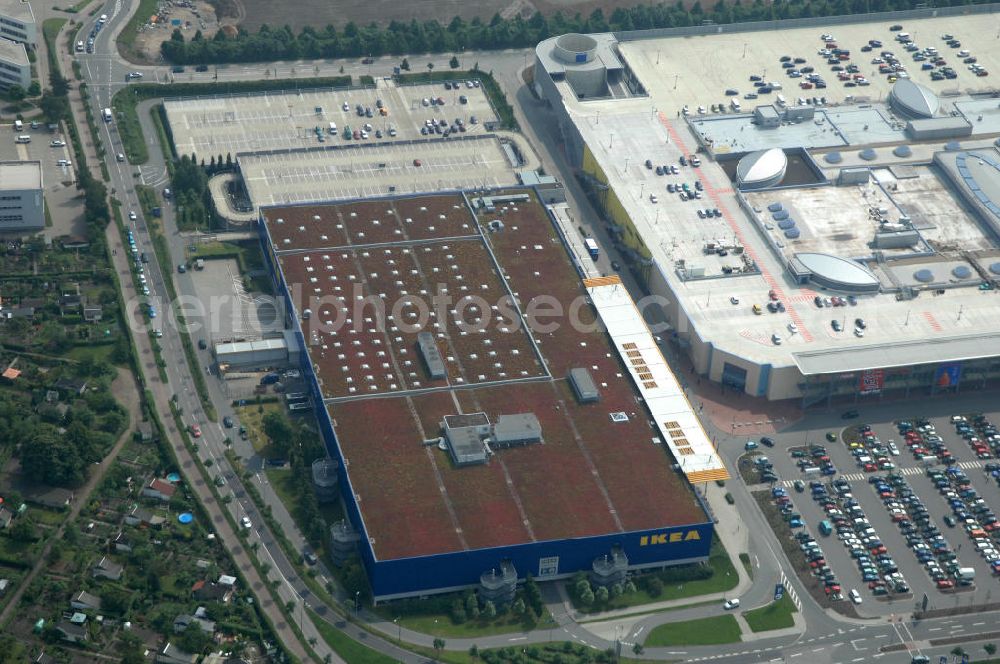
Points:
point(905, 472)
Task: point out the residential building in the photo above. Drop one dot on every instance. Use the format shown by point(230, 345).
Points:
point(159, 489)
point(212, 591)
point(142, 516)
point(171, 654)
point(183, 621)
point(84, 601)
point(108, 569)
point(71, 632)
point(17, 22)
point(22, 206)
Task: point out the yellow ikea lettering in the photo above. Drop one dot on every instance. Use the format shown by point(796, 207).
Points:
point(669, 538)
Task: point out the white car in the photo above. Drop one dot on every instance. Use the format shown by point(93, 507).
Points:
point(245, 522)
point(893, 450)
point(734, 300)
point(653, 198)
point(775, 339)
point(731, 604)
point(58, 143)
point(855, 596)
point(132, 215)
point(793, 328)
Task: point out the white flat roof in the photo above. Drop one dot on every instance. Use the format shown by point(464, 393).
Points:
point(250, 346)
point(907, 353)
point(20, 175)
point(13, 52)
point(622, 133)
point(675, 418)
point(17, 9)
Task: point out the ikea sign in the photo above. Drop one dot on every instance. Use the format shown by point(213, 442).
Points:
point(670, 538)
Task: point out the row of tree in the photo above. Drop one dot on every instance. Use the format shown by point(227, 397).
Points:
point(397, 38)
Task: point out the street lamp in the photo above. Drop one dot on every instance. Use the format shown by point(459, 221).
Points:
point(399, 630)
point(357, 602)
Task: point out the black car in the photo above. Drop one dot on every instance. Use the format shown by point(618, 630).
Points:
point(849, 415)
point(202, 344)
point(767, 442)
point(201, 68)
point(616, 266)
point(177, 69)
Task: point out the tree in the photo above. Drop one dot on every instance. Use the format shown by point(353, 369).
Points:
point(490, 610)
point(990, 649)
point(405, 65)
point(438, 645)
point(15, 93)
point(23, 529)
point(50, 457)
point(458, 614)
point(430, 66)
point(654, 587)
point(277, 428)
point(518, 608)
point(34, 89)
point(453, 63)
point(601, 595)
point(474, 651)
point(958, 651)
point(637, 648)
point(587, 598)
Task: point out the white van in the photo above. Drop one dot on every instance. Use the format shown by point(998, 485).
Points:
point(23, 138)
point(781, 100)
point(18, 125)
point(79, 46)
point(333, 128)
point(735, 104)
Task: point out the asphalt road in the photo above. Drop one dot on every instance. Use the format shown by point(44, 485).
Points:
point(829, 638)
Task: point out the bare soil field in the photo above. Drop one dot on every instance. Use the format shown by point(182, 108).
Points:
point(251, 14)
point(192, 17)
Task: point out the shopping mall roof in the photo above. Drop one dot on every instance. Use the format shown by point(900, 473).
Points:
point(762, 168)
point(667, 402)
point(902, 354)
point(914, 99)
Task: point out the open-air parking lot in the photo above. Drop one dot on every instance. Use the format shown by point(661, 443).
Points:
point(362, 170)
point(913, 497)
point(275, 121)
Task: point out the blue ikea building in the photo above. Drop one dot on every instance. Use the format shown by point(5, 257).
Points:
point(449, 571)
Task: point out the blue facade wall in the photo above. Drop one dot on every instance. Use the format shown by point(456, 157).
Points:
point(462, 568)
point(429, 574)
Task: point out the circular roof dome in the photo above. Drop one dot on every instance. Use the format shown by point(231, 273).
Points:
point(913, 99)
point(961, 272)
point(868, 154)
point(575, 48)
point(924, 276)
point(779, 215)
point(902, 151)
point(995, 268)
point(792, 233)
point(774, 207)
point(785, 224)
point(838, 272)
point(833, 157)
point(762, 168)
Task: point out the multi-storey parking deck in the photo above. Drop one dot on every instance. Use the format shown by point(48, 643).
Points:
point(593, 477)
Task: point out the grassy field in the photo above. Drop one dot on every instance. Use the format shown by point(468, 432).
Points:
point(745, 559)
point(252, 416)
point(704, 632)
point(776, 615)
point(724, 578)
point(440, 624)
point(349, 649)
point(126, 40)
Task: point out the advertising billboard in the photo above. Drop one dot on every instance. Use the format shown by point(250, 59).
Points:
point(872, 381)
point(947, 375)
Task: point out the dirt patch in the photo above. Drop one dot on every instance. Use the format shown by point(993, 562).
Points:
point(189, 17)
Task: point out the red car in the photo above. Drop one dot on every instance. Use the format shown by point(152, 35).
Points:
point(196, 431)
point(870, 468)
point(944, 584)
